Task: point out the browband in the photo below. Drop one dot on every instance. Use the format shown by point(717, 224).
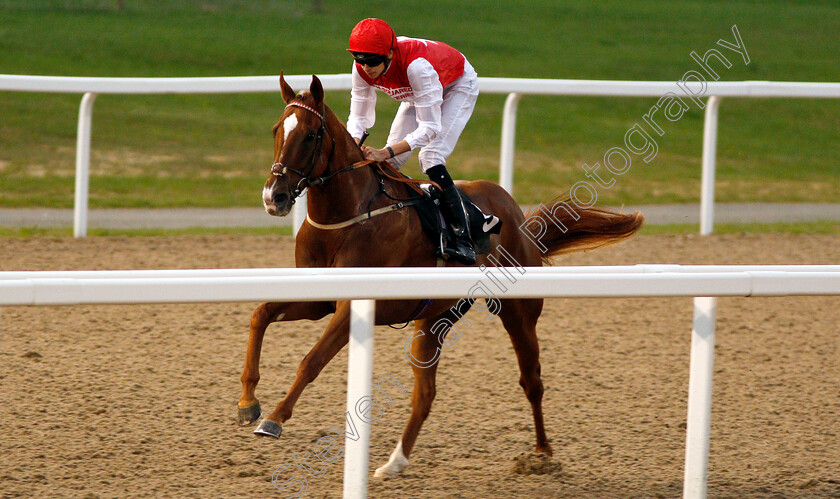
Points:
point(304, 106)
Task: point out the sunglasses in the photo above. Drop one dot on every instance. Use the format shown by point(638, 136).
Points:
point(368, 59)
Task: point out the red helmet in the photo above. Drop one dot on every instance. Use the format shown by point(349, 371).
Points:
point(372, 36)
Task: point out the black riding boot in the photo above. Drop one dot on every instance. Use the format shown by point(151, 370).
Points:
point(455, 212)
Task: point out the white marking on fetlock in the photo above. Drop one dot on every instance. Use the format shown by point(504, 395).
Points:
point(280, 317)
point(394, 466)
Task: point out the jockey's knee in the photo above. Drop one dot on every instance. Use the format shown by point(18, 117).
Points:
point(430, 159)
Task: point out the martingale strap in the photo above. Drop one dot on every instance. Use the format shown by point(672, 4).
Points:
point(363, 216)
point(387, 171)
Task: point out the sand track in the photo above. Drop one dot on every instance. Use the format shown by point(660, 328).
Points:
point(138, 401)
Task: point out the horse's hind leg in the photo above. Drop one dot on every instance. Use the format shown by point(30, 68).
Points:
point(261, 317)
point(520, 320)
point(425, 352)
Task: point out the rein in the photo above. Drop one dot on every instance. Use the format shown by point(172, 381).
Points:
point(392, 173)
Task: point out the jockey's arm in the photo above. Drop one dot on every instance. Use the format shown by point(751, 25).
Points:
point(362, 106)
point(428, 97)
point(384, 154)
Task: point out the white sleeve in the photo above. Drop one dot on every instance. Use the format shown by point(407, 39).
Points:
point(362, 106)
point(428, 96)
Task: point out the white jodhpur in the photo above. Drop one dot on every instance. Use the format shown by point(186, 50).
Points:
point(395, 465)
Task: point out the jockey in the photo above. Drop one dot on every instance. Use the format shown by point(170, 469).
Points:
point(437, 88)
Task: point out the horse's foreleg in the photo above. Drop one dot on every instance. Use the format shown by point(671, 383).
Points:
point(520, 320)
point(261, 317)
point(333, 340)
point(425, 354)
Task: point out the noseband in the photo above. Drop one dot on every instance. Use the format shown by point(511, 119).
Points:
point(279, 169)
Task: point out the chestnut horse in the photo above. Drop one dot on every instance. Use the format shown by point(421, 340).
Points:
point(312, 149)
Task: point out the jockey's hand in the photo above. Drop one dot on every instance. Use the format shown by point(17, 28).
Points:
point(376, 154)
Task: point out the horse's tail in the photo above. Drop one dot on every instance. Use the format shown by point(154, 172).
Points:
point(564, 227)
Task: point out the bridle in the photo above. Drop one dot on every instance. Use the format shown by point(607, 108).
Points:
point(279, 169)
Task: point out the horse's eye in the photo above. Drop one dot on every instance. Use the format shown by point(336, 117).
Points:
point(310, 136)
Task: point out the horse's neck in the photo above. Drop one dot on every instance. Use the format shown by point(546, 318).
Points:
point(347, 194)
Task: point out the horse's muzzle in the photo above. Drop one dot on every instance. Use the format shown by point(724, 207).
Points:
point(281, 199)
point(277, 202)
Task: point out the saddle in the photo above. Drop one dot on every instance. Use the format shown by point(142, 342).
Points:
point(426, 199)
point(480, 225)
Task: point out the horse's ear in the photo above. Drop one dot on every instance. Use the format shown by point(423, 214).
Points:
point(316, 90)
point(286, 90)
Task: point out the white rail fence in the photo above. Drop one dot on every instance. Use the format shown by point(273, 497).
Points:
point(363, 286)
point(514, 87)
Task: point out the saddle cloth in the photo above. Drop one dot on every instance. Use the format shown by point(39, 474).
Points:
point(481, 225)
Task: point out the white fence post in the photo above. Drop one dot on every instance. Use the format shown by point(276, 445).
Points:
point(360, 371)
point(299, 213)
point(698, 424)
point(80, 208)
point(707, 189)
point(508, 141)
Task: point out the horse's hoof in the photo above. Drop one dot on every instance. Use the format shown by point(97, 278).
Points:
point(268, 428)
point(250, 414)
point(385, 473)
point(395, 465)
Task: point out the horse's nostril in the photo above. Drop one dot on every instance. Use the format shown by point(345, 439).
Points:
point(280, 198)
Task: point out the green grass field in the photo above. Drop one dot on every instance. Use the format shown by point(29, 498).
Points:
point(215, 150)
